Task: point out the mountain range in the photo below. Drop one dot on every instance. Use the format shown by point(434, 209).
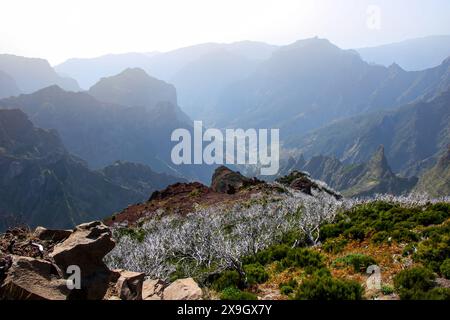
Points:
point(31, 74)
point(354, 180)
point(413, 54)
point(413, 136)
point(42, 183)
point(69, 155)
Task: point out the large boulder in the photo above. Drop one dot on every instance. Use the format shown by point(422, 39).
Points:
point(33, 279)
point(153, 289)
point(42, 233)
point(86, 247)
point(183, 289)
point(129, 285)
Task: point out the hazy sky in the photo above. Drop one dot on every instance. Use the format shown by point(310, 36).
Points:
point(60, 29)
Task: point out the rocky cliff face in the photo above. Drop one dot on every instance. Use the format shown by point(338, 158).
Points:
point(41, 183)
point(365, 179)
point(436, 181)
point(32, 74)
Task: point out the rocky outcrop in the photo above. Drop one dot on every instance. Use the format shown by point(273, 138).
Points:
point(227, 181)
point(33, 279)
point(48, 273)
point(129, 285)
point(183, 289)
point(301, 181)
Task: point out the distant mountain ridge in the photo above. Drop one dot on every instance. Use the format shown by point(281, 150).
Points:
point(412, 55)
point(411, 134)
point(312, 83)
point(354, 180)
point(31, 74)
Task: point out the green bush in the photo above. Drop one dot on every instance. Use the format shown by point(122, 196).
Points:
point(445, 268)
point(227, 279)
point(414, 283)
point(328, 288)
point(358, 261)
point(233, 293)
point(334, 245)
point(433, 251)
point(387, 290)
point(255, 274)
point(286, 290)
point(304, 258)
point(271, 254)
point(438, 294)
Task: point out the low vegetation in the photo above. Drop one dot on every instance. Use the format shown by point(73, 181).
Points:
point(299, 246)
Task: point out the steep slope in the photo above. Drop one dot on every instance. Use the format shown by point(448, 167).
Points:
point(436, 181)
point(411, 134)
point(375, 177)
point(8, 86)
point(42, 184)
point(32, 74)
point(413, 54)
point(102, 133)
point(364, 179)
point(311, 83)
point(138, 177)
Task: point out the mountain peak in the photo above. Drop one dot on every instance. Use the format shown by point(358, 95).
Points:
point(378, 164)
point(315, 42)
point(133, 87)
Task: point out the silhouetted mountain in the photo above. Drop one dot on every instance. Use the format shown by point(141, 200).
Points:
point(89, 71)
point(32, 74)
point(138, 177)
point(100, 132)
point(8, 86)
point(134, 88)
point(436, 181)
point(310, 83)
point(42, 184)
point(411, 134)
point(164, 66)
point(412, 55)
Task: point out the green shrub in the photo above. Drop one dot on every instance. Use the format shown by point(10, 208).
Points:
point(413, 284)
point(445, 268)
point(358, 261)
point(233, 293)
point(291, 283)
point(327, 288)
point(227, 279)
point(438, 294)
point(255, 273)
point(409, 249)
point(286, 290)
point(380, 237)
point(271, 254)
point(433, 251)
point(334, 245)
point(303, 258)
point(387, 290)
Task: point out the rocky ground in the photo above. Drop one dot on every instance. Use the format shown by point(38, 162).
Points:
point(38, 265)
